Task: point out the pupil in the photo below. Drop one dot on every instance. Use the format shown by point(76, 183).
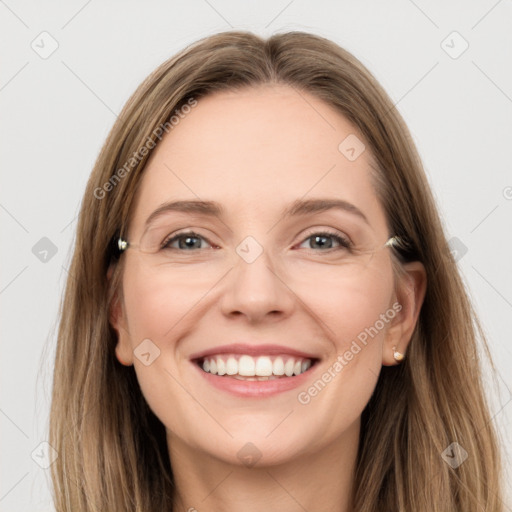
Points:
point(322, 244)
point(187, 244)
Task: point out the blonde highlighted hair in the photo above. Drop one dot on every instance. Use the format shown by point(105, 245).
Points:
point(112, 448)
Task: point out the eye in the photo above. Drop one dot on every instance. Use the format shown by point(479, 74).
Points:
point(190, 241)
point(324, 240)
point(186, 241)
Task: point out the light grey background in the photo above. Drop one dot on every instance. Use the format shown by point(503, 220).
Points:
point(56, 112)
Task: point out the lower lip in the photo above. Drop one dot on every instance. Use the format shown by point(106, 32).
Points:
point(255, 388)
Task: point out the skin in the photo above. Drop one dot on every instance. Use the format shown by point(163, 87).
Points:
point(255, 151)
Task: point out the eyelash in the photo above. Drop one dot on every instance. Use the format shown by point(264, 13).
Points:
point(343, 242)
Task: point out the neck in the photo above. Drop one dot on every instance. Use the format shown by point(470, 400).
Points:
point(317, 482)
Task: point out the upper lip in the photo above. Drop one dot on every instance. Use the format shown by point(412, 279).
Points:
point(252, 350)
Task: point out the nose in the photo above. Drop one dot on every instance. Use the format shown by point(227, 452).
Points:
point(255, 290)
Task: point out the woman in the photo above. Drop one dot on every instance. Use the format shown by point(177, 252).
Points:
point(263, 312)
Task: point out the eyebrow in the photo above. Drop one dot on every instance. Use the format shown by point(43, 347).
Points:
point(297, 208)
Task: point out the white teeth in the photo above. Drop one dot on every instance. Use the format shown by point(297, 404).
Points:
point(278, 366)
point(232, 366)
point(246, 366)
point(221, 366)
point(262, 368)
point(288, 367)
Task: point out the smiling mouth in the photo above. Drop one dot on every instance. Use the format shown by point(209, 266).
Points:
point(261, 368)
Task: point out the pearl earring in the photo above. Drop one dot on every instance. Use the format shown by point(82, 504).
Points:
point(398, 356)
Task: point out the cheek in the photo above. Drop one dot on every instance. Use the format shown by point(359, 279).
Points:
point(157, 310)
point(356, 316)
point(155, 303)
point(348, 306)
point(163, 310)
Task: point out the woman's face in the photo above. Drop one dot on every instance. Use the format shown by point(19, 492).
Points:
point(255, 291)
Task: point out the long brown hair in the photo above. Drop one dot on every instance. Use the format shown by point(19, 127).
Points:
point(112, 449)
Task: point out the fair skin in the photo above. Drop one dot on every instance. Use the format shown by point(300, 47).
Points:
point(255, 152)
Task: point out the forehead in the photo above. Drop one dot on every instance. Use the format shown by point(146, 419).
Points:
point(255, 151)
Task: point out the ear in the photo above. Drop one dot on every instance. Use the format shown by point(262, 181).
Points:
point(410, 293)
point(117, 318)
